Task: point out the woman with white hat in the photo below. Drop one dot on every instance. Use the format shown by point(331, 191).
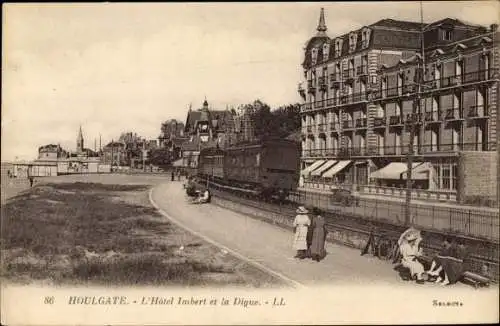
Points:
point(409, 249)
point(301, 225)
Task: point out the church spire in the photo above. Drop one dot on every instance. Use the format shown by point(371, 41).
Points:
point(79, 141)
point(321, 24)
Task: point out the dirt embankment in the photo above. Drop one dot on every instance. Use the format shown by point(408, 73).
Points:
point(108, 234)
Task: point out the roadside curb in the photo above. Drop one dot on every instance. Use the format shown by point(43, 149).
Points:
point(263, 268)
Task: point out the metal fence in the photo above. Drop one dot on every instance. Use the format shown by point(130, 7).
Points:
point(475, 223)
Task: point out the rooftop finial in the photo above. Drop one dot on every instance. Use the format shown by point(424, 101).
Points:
point(322, 25)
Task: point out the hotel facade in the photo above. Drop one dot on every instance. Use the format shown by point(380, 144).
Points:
point(364, 90)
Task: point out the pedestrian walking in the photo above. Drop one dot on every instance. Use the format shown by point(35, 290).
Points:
point(301, 225)
point(310, 234)
point(178, 175)
point(31, 179)
point(172, 175)
point(319, 231)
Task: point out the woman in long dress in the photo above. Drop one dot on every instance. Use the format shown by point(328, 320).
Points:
point(301, 225)
point(318, 251)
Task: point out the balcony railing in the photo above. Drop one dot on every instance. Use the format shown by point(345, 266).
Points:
point(451, 81)
point(395, 120)
point(452, 114)
point(477, 111)
point(397, 150)
point(322, 83)
point(393, 91)
point(432, 116)
point(311, 87)
point(348, 75)
point(309, 129)
point(379, 122)
point(409, 89)
point(334, 126)
point(306, 107)
point(361, 123)
point(331, 101)
point(319, 104)
point(347, 124)
point(321, 127)
point(413, 118)
point(335, 80)
point(362, 70)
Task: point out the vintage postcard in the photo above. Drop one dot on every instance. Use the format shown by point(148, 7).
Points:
point(250, 163)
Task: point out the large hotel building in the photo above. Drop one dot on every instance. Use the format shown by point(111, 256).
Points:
point(361, 95)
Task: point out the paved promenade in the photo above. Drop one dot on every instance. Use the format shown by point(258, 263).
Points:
point(270, 245)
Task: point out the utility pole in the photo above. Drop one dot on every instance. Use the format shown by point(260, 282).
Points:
point(412, 123)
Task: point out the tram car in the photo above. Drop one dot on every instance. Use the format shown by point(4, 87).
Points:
point(267, 168)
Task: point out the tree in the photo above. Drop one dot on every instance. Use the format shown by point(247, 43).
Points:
point(277, 123)
point(161, 157)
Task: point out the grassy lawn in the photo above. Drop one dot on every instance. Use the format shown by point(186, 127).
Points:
point(108, 234)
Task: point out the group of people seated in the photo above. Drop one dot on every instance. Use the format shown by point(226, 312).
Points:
point(201, 196)
point(447, 266)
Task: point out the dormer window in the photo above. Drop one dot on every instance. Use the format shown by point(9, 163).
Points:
point(446, 34)
point(365, 38)
point(314, 55)
point(338, 48)
point(352, 41)
point(326, 51)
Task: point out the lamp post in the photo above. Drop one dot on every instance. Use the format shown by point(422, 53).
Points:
point(412, 123)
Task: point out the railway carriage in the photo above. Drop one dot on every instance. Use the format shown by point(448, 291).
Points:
point(269, 167)
point(266, 168)
point(211, 163)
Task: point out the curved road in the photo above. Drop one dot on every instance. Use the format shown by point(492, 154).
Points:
point(269, 246)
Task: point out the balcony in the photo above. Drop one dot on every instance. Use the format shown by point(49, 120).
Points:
point(348, 75)
point(321, 128)
point(377, 94)
point(309, 129)
point(362, 70)
point(361, 123)
point(379, 122)
point(311, 87)
point(331, 102)
point(394, 91)
point(409, 89)
point(359, 97)
point(347, 124)
point(413, 118)
point(335, 81)
point(319, 104)
point(451, 81)
point(477, 111)
point(430, 85)
point(395, 120)
point(432, 116)
point(344, 99)
point(322, 83)
point(302, 91)
point(478, 146)
point(452, 114)
point(334, 126)
point(306, 107)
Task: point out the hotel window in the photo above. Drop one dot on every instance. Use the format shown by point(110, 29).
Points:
point(434, 140)
point(380, 143)
point(380, 111)
point(338, 48)
point(481, 143)
point(397, 142)
point(384, 86)
point(399, 83)
point(455, 138)
point(338, 71)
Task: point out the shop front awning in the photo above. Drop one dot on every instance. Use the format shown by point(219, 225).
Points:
point(420, 172)
point(323, 168)
point(336, 169)
point(397, 171)
point(312, 167)
point(178, 163)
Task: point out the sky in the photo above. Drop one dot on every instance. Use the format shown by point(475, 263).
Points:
point(120, 67)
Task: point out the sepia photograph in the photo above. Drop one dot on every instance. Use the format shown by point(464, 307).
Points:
point(250, 163)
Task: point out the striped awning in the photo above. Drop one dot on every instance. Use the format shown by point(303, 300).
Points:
point(323, 168)
point(336, 169)
point(312, 167)
point(420, 172)
point(397, 171)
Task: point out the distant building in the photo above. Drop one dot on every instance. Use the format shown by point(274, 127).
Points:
point(115, 154)
point(51, 152)
point(205, 128)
